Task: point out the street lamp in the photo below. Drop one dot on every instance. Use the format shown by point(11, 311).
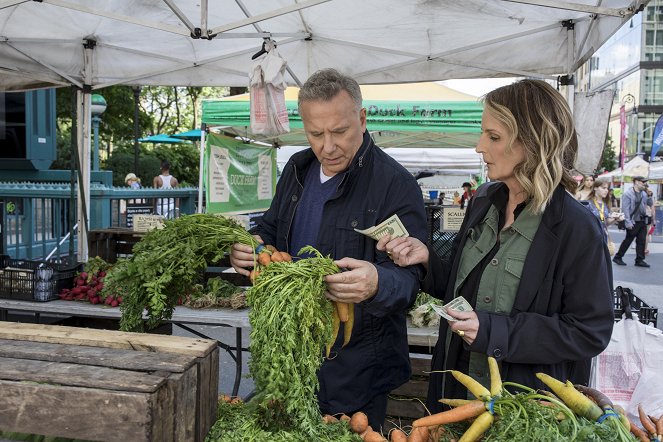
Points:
point(97, 107)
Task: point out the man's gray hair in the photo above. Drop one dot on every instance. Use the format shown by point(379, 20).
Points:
point(325, 84)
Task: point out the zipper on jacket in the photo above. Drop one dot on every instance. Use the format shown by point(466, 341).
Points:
point(292, 217)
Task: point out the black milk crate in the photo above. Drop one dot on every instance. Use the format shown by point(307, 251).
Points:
point(33, 280)
point(441, 241)
point(646, 314)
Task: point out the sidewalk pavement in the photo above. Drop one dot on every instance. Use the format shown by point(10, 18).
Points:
point(646, 283)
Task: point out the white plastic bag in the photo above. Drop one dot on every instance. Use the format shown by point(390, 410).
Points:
point(269, 115)
point(630, 370)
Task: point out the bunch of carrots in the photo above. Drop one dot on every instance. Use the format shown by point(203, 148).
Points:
point(265, 256)
point(583, 411)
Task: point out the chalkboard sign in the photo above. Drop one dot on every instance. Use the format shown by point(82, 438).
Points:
point(137, 209)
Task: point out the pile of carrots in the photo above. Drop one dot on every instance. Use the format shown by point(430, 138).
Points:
point(266, 255)
point(653, 427)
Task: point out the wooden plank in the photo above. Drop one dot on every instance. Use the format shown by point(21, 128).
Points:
point(421, 364)
point(80, 375)
point(412, 388)
point(185, 405)
point(106, 338)
point(422, 336)
point(406, 408)
point(106, 357)
point(206, 404)
point(90, 414)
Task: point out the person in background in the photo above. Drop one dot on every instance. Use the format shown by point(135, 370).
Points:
point(585, 188)
point(598, 203)
point(651, 214)
point(165, 206)
point(344, 181)
point(528, 257)
point(467, 194)
point(634, 207)
point(132, 181)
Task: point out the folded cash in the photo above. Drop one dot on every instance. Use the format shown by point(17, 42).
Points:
point(460, 304)
point(391, 226)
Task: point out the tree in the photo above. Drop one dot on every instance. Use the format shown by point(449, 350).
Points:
point(608, 158)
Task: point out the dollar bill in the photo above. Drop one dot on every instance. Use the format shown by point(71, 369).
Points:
point(460, 304)
point(391, 226)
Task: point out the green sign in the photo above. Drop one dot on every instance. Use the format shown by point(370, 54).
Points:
point(239, 177)
point(422, 116)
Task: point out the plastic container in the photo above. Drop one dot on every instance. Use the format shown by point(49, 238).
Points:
point(646, 314)
point(33, 280)
point(433, 194)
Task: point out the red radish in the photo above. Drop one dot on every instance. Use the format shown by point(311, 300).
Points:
point(83, 275)
point(102, 274)
point(114, 303)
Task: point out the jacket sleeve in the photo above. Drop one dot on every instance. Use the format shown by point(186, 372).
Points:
point(398, 286)
point(627, 208)
point(572, 316)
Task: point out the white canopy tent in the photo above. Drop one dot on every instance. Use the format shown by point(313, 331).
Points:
point(92, 44)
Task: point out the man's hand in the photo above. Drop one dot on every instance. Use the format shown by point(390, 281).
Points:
point(467, 324)
point(242, 257)
point(357, 284)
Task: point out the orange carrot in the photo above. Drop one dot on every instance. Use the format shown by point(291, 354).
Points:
point(397, 435)
point(271, 248)
point(373, 436)
point(328, 419)
point(646, 422)
point(336, 324)
point(464, 412)
point(264, 259)
point(418, 434)
point(639, 433)
point(342, 309)
point(359, 422)
point(253, 275)
point(344, 417)
point(277, 257)
point(286, 257)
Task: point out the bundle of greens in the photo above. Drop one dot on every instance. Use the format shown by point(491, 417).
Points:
point(291, 322)
point(167, 262)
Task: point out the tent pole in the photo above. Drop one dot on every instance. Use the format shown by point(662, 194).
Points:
point(203, 128)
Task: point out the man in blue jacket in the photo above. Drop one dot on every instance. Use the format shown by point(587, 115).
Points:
point(344, 181)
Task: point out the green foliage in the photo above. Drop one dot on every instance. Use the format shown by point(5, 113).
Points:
point(184, 161)
point(166, 263)
point(240, 422)
point(122, 162)
point(608, 158)
point(290, 324)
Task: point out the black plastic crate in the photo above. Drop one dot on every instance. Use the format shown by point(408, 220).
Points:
point(646, 313)
point(441, 241)
point(33, 280)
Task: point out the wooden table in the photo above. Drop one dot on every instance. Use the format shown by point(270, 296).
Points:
point(184, 317)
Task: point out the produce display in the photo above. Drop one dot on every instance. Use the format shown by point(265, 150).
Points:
point(291, 322)
point(89, 285)
point(167, 263)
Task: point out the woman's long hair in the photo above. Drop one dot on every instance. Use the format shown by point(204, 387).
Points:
point(539, 117)
point(598, 183)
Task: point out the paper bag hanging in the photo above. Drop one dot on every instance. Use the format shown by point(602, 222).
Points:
point(269, 115)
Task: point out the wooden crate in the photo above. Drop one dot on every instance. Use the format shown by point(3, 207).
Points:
point(106, 385)
point(111, 244)
point(406, 402)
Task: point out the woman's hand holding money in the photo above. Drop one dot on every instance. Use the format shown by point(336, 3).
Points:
point(466, 324)
point(404, 251)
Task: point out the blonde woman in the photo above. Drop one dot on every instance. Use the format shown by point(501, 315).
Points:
point(528, 257)
point(598, 203)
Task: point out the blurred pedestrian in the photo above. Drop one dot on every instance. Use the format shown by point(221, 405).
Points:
point(585, 188)
point(467, 194)
point(165, 206)
point(132, 181)
point(634, 207)
point(599, 204)
point(651, 218)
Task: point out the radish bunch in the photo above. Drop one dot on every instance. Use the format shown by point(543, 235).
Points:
point(89, 283)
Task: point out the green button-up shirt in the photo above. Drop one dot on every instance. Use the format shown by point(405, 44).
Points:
point(501, 277)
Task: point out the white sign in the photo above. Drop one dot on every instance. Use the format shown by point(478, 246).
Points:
point(452, 218)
